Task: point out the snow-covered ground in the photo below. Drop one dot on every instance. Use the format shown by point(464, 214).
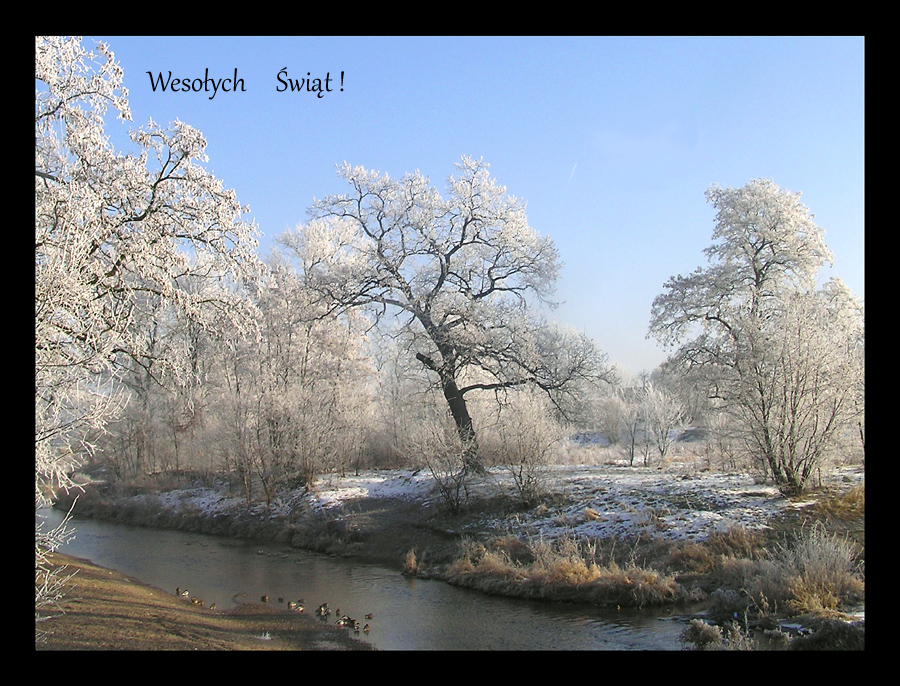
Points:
point(678, 502)
point(604, 501)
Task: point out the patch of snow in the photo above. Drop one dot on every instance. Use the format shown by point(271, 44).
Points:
point(677, 503)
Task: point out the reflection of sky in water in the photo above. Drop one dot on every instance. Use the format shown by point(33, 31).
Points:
point(409, 614)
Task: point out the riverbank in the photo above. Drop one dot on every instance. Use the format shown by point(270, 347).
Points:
point(382, 516)
point(105, 610)
point(604, 534)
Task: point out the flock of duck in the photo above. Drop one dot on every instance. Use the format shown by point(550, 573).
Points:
point(186, 595)
point(346, 621)
point(323, 611)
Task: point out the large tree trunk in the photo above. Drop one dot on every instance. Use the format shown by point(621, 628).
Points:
point(460, 413)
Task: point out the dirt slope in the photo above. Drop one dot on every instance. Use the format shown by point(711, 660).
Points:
point(105, 610)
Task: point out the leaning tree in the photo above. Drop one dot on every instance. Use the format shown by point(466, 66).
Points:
point(462, 272)
point(780, 356)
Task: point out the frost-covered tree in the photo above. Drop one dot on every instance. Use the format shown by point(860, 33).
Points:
point(527, 436)
point(780, 356)
point(461, 271)
point(298, 396)
point(610, 414)
point(169, 390)
point(114, 233)
point(662, 410)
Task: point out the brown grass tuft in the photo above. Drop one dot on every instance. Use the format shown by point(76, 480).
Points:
point(847, 505)
point(565, 569)
point(514, 549)
point(692, 557)
point(410, 563)
point(737, 541)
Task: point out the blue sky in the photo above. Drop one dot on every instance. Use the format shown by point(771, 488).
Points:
point(611, 141)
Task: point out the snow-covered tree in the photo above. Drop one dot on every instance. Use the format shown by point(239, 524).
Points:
point(527, 436)
point(115, 235)
point(780, 356)
point(460, 271)
point(662, 411)
point(298, 395)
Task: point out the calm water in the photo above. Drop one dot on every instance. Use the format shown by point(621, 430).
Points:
point(409, 614)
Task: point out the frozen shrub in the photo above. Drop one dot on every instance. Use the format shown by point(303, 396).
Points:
point(705, 636)
point(820, 570)
point(701, 635)
point(525, 439)
point(437, 445)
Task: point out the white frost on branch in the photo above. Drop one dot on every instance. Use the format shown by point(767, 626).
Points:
point(117, 237)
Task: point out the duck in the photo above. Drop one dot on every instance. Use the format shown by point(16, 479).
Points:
point(264, 598)
point(212, 607)
point(369, 616)
point(185, 594)
point(366, 628)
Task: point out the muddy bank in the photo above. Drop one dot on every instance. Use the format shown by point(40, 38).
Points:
point(105, 610)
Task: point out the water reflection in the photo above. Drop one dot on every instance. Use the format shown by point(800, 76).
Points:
point(409, 614)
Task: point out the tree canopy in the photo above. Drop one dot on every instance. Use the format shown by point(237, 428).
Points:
point(461, 270)
point(752, 329)
point(119, 239)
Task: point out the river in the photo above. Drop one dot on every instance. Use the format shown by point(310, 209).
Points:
point(408, 613)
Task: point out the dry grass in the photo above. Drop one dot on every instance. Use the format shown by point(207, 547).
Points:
point(514, 549)
point(846, 505)
point(105, 610)
point(737, 541)
point(816, 572)
point(703, 636)
point(411, 564)
point(821, 571)
point(565, 569)
point(692, 557)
